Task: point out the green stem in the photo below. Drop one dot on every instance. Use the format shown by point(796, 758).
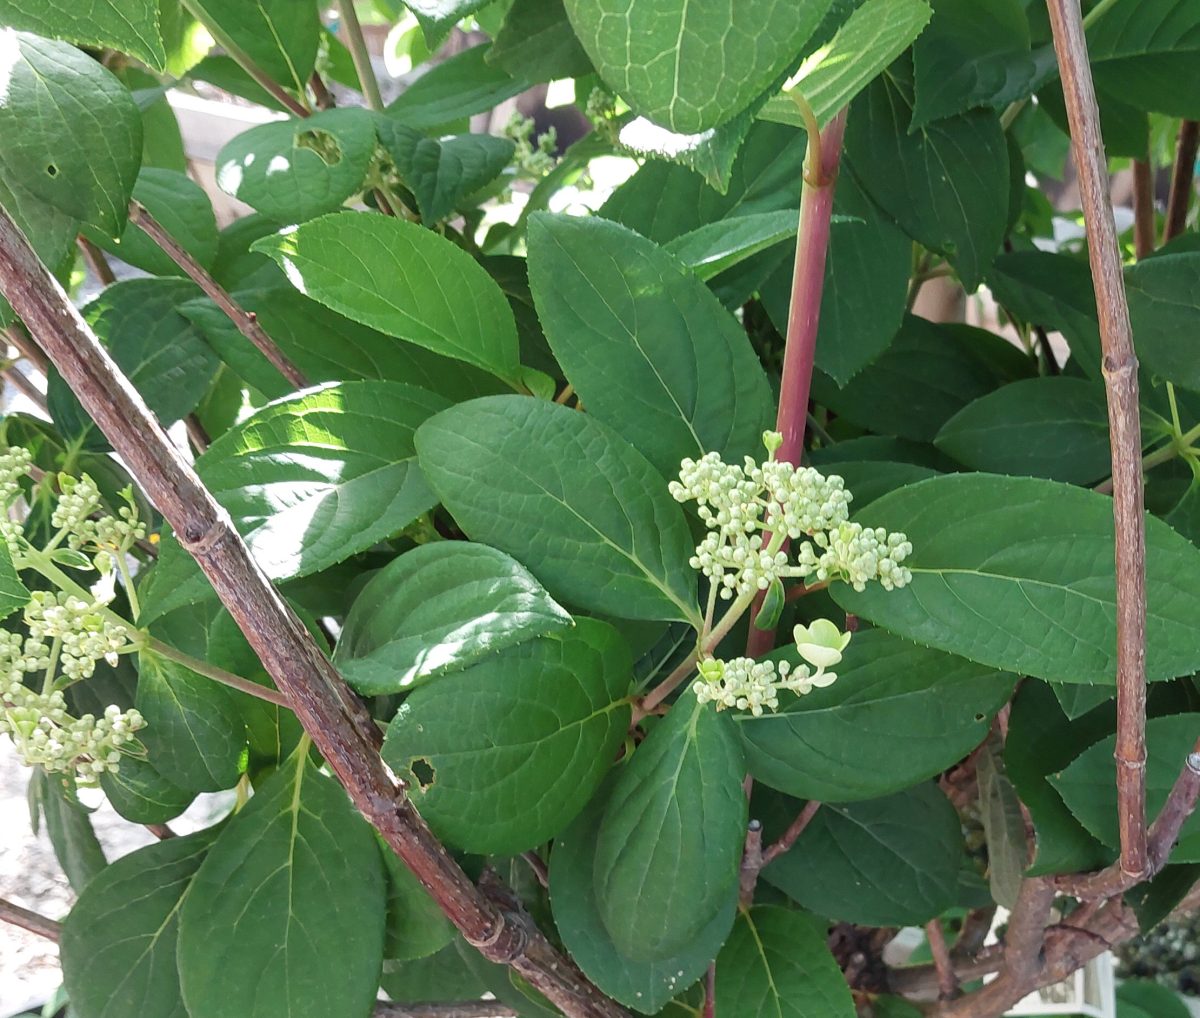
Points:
point(52, 667)
point(362, 59)
point(225, 678)
point(1097, 12)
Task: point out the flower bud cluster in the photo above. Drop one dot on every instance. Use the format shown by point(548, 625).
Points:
point(534, 157)
point(79, 501)
point(751, 510)
point(755, 685)
point(14, 464)
point(87, 635)
point(43, 731)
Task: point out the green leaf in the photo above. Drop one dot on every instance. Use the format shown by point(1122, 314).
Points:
point(1169, 740)
point(140, 794)
point(1053, 427)
point(1155, 899)
point(184, 211)
point(1151, 998)
point(69, 826)
point(537, 43)
point(118, 943)
point(836, 744)
point(1164, 308)
point(645, 344)
point(130, 26)
point(502, 756)
point(437, 17)
point(58, 103)
point(194, 736)
point(867, 268)
point(295, 170)
point(441, 172)
point(309, 481)
point(945, 184)
point(280, 36)
point(884, 862)
point(1041, 742)
point(1077, 700)
point(1147, 52)
point(929, 372)
point(691, 67)
point(715, 247)
point(460, 87)
point(872, 479)
point(416, 927)
point(13, 593)
point(643, 984)
point(156, 348)
point(286, 914)
point(436, 295)
point(327, 347)
point(670, 843)
point(975, 53)
point(438, 609)
point(584, 511)
point(1036, 600)
point(874, 35)
point(50, 231)
point(776, 964)
point(1004, 826)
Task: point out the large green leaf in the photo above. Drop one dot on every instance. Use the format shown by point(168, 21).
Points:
point(711, 249)
point(286, 914)
point(194, 736)
point(295, 170)
point(416, 926)
point(441, 172)
point(403, 280)
point(184, 211)
point(1142, 998)
point(537, 43)
point(280, 36)
point(568, 498)
point(885, 862)
point(646, 345)
point(69, 826)
point(975, 53)
point(156, 348)
point(309, 481)
point(1164, 307)
point(50, 231)
point(13, 593)
point(1042, 741)
point(500, 757)
point(140, 794)
point(670, 842)
point(130, 26)
point(1147, 52)
point(439, 609)
point(645, 985)
point(945, 184)
point(328, 347)
point(1054, 427)
point(835, 744)
point(776, 964)
point(928, 373)
point(118, 943)
point(990, 585)
point(1089, 785)
point(689, 66)
point(73, 134)
point(460, 87)
point(875, 34)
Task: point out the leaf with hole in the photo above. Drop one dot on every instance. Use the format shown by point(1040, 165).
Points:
point(570, 499)
point(670, 841)
point(405, 281)
point(286, 913)
point(500, 757)
point(1036, 601)
point(438, 609)
point(309, 481)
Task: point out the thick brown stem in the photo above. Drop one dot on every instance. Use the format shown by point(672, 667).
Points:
point(31, 921)
point(1121, 383)
point(331, 714)
point(1143, 208)
point(247, 324)
point(1182, 180)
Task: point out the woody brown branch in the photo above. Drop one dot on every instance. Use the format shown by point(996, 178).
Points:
point(340, 728)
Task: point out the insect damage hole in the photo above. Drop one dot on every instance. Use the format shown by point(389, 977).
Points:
point(322, 143)
point(51, 170)
point(423, 771)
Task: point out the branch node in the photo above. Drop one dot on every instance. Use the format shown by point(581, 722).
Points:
point(203, 543)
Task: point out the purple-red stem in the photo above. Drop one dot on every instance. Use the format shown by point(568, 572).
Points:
point(804, 312)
